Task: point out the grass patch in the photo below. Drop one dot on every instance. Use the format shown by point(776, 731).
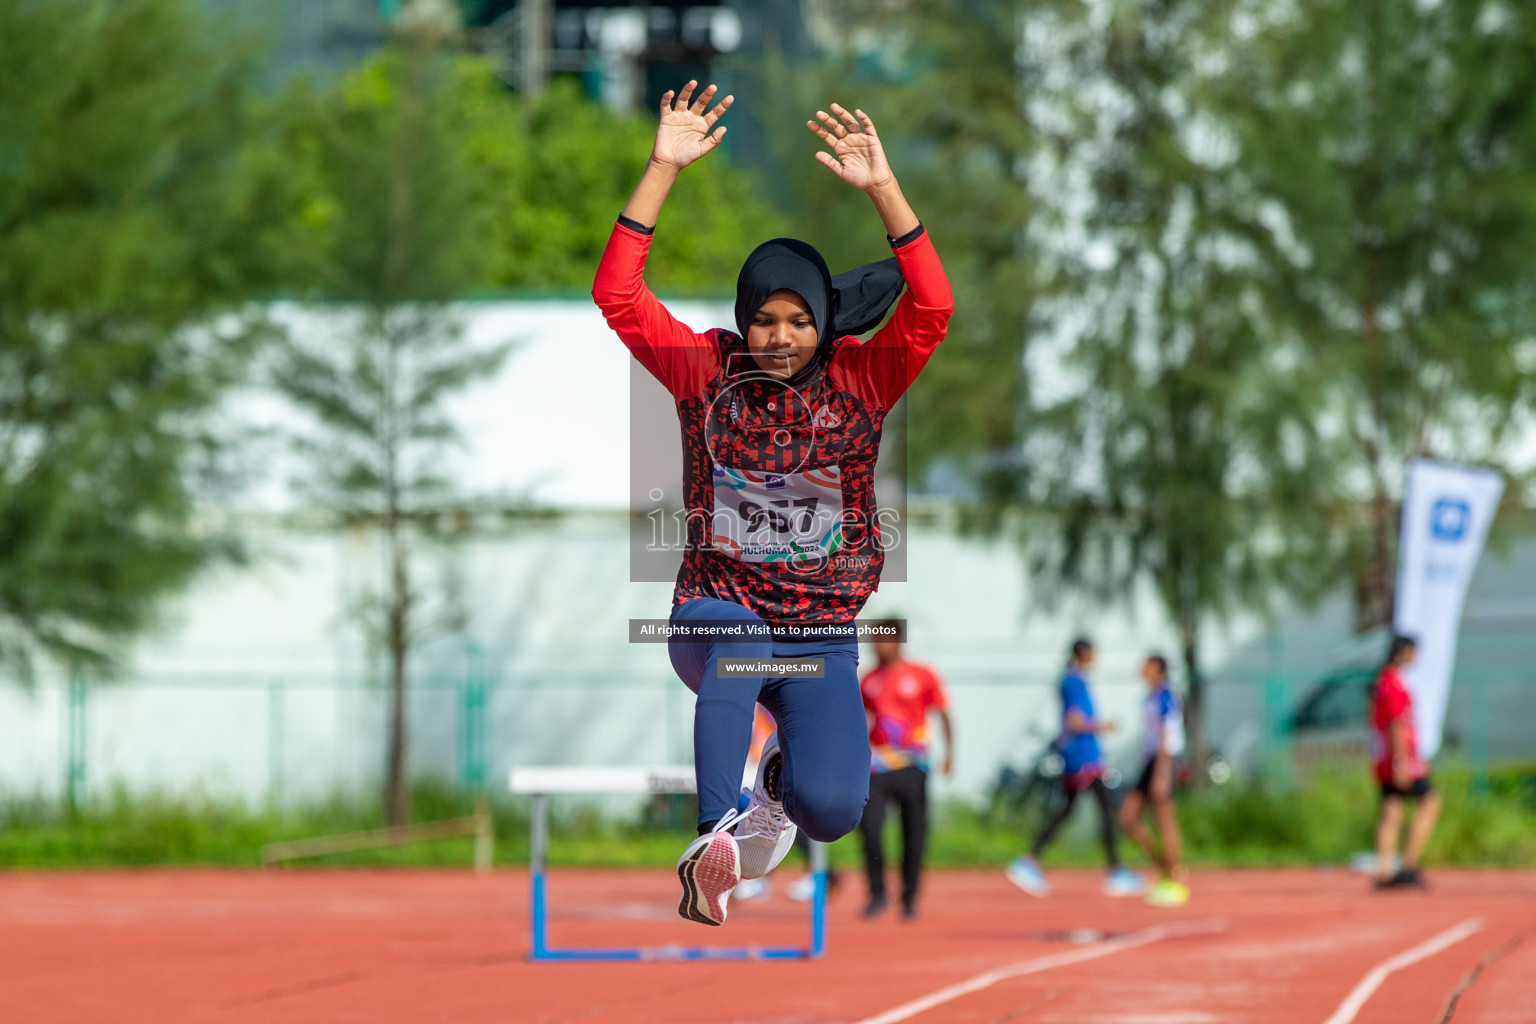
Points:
point(1324, 821)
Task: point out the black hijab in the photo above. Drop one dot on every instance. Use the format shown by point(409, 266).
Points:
point(850, 303)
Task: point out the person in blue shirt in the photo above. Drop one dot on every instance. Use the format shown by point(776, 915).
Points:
point(1083, 769)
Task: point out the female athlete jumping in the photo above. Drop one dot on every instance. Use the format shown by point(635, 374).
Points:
point(781, 427)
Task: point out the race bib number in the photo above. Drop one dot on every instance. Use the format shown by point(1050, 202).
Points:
point(778, 517)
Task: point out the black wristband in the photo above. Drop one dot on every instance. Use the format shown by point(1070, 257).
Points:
point(636, 226)
point(906, 239)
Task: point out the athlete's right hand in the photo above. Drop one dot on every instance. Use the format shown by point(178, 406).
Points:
point(686, 131)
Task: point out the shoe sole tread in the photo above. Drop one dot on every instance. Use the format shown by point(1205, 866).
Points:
point(704, 875)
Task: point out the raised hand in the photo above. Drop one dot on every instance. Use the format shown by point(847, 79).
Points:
point(686, 131)
point(856, 154)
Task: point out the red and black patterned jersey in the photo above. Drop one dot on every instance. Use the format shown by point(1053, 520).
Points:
point(778, 479)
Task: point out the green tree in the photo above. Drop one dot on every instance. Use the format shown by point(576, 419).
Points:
point(133, 194)
point(1388, 159)
point(1173, 447)
point(560, 169)
point(397, 232)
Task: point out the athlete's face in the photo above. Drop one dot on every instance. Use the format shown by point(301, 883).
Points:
point(782, 335)
point(887, 652)
point(1151, 674)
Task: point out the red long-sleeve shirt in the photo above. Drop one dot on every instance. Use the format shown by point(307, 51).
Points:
point(778, 481)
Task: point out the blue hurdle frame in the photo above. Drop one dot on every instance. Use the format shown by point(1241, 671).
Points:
point(541, 950)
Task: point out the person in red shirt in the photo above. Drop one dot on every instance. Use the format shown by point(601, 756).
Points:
point(1400, 771)
point(781, 424)
point(898, 697)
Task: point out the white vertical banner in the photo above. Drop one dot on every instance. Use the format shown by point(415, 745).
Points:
point(1446, 513)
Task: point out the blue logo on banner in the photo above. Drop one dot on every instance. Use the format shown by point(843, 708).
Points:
point(1449, 519)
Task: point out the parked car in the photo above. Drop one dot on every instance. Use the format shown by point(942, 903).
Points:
point(1331, 722)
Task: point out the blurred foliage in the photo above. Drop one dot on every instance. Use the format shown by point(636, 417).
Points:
point(541, 183)
point(557, 173)
point(121, 829)
point(390, 196)
point(136, 196)
point(1161, 445)
point(1382, 163)
point(1326, 822)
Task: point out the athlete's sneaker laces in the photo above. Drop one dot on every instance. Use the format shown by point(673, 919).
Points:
point(765, 833)
point(709, 870)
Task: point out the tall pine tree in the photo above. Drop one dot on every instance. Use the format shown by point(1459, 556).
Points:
point(397, 234)
point(1169, 445)
point(133, 194)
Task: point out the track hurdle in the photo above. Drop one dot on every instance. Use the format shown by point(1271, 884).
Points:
point(540, 783)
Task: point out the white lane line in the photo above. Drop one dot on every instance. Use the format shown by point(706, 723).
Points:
point(1045, 963)
point(1372, 981)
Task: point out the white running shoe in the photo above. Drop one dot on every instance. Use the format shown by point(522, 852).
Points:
point(1025, 873)
point(709, 869)
point(801, 889)
point(753, 889)
point(1124, 882)
point(765, 833)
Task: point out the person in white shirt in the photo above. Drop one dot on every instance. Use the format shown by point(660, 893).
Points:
point(1163, 742)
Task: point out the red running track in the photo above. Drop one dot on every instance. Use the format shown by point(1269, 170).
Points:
point(165, 947)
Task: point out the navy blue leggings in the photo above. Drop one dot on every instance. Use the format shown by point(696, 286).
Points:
point(821, 723)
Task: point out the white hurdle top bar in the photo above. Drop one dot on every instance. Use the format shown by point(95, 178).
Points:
point(540, 779)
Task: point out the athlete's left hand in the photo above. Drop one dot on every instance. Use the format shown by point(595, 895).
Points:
point(856, 154)
point(949, 765)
